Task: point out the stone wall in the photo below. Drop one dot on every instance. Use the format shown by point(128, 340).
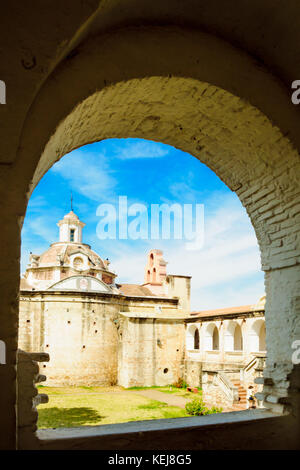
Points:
point(180, 287)
point(80, 332)
point(151, 351)
point(212, 393)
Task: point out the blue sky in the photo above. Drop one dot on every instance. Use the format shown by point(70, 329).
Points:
point(225, 271)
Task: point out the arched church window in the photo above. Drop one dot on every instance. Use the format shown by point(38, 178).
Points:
point(151, 259)
point(238, 339)
point(215, 339)
point(72, 234)
point(196, 339)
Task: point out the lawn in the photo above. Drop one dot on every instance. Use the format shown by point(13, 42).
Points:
point(182, 392)
point(91, 406)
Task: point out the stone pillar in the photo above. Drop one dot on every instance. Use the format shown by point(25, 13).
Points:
point(281, 375)
point(9, 291)
point(28, 397)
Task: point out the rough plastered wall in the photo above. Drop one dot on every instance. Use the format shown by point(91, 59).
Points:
point(193, 373)
point(79, 334)
point(151, 351)
point(213, 394)
point(179, 286)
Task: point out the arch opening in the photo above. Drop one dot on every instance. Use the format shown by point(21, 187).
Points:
point(207, 146)
point(258, 336)
point(233, 338)
point(211, 338)
point(196, 339)
point(238, 339)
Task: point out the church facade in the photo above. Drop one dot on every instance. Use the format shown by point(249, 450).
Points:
point(98, 331)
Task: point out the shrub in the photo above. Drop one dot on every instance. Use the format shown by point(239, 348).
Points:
point(214, 409)
point(180, 383)
point(197, 407)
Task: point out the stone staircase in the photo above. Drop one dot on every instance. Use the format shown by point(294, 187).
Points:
point(242, 404)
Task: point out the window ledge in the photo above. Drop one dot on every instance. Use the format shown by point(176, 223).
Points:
point(234, 353)
point(152, 434)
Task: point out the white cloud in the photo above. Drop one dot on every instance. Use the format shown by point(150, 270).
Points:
point(229, 296)
point(89, 174)
point(44, 228)
point(225, 272)
point(37, 203)
point(131, 149)
point(37, 234)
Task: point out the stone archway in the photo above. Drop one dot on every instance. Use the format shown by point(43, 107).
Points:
point(213, 112)
point(222, 131)
point(225, 132)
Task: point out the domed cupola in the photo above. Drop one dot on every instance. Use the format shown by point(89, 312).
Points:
point(67, 258)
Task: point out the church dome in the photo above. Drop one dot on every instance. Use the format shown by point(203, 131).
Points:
point(67, 257)
point(62, 254)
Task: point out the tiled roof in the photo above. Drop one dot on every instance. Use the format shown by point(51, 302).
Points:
point(223, 311)
point(135, 289)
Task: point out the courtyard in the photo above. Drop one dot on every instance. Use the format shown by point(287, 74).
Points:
point(91, 406)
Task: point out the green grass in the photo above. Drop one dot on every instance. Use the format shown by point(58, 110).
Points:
point(91, 406)
point(168, 389)
point(152, 405)
point(146, 388)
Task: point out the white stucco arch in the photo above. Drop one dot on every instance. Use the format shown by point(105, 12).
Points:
point(233, 338)
point(211, 338)
point(257, 336)
point(190, 337)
